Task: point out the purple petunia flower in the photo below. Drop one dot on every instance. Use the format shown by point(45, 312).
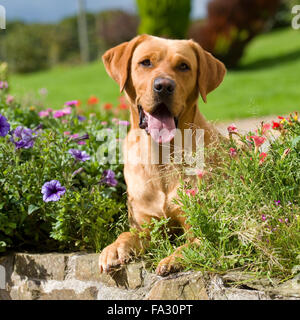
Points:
point(52, 191)
point(81, 118)
point(75, 137)
point(109, 178)
point(79, 155)
point(4, 126)
point(77, 172)
point(3, 85)
point(23, 137)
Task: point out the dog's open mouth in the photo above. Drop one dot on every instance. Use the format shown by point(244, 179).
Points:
point(160, 124)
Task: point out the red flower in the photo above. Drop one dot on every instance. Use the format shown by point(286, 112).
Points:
point(232, 128)
point(258, 141)
point(123, 106)
point(107, 106)
point(275, 125)
point(93, 100)
point(191, 192)
point(232, 152)
point(262, 157)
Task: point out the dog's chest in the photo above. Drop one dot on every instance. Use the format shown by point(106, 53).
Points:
point(152, 189)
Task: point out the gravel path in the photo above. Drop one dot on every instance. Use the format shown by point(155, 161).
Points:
point(245, 125)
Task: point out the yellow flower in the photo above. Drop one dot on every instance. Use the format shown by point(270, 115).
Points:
point(296, 116)
point(32, 108)
point(283, 121)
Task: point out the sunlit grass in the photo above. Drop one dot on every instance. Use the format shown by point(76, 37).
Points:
point(267, 81)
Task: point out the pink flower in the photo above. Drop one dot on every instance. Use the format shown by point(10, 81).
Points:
point(58, 114)
point(263, 217)
point(81, 142)
point(104, 123)
point(67, 133)
point(67, 110)
point(200, 174)
point(232, 152)
point(262, 157)
point(232, 128)
point(65, 121)
point(43, 114)
point(124, 123)
point(75, 135)
point(191, 192)
point(49, 110)
point(265, 128)
point(258, 141)
point(71, 103)
point(9, 99)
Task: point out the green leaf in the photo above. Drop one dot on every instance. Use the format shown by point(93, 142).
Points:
point(32, 208)
point(295, 141)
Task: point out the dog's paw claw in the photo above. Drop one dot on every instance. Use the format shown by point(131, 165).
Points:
point(167, 266)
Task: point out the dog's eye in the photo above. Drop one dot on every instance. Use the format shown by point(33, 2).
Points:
point(183, 67)
point(146, 63)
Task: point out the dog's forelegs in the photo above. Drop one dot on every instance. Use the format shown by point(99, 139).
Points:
point(172, 262)
point(120, 251)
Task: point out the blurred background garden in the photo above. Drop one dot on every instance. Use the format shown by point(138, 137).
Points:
point(53, 49)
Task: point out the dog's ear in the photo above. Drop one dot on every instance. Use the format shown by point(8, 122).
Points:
point(211, 71)
point(117, 60)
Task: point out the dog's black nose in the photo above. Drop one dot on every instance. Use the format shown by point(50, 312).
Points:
point(164, 86)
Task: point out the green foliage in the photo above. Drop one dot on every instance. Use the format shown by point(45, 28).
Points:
point(82, 218)
point(164, 18)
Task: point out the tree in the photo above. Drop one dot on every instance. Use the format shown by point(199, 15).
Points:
point(165, 18)
point(232, 24)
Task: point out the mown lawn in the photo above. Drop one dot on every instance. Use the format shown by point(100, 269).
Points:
point(266, 83)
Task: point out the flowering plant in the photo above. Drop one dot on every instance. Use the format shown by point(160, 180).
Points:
point(56, 192)
point(246, 212)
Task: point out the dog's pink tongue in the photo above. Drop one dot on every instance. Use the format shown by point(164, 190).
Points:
point(161, 126)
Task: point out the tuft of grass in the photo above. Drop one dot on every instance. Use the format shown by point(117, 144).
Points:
point(266, 82)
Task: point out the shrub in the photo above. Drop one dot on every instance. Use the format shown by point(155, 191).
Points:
point(27, 47)
point(163, 18)
point(109, 32)
point(231, 25)
point(65, 149)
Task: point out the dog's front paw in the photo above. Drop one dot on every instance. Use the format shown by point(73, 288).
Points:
point(168, 265)
point(112, 256)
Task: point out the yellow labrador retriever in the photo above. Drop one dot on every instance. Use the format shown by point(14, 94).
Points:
point(162, 80)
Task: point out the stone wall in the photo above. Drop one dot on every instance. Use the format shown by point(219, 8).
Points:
point(76, 276)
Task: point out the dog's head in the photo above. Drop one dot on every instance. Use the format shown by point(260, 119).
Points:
point(162, 79)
